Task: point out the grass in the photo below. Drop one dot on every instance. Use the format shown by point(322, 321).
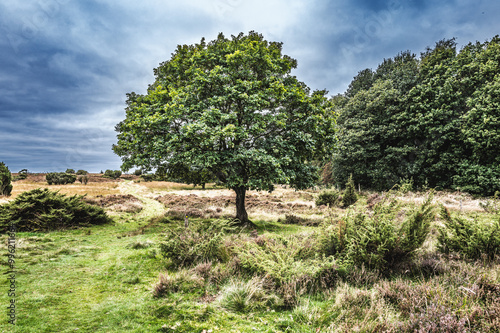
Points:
point(102, 279)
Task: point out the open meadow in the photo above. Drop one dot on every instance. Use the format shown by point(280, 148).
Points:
point(391, 262)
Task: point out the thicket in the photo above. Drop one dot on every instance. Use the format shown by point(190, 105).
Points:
point(45, 210)
point(471, 238)
point(60, 178)
point(377, 241)
point(433, 119)
point(5, 180)
point(113, 174)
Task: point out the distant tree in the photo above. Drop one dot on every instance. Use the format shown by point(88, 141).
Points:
point(60, 178)
point(114, 174)
point(349, 196)
point(232, 108)
point(5, 180)
point(81, 172)
point(22, 174)
point(72, 171)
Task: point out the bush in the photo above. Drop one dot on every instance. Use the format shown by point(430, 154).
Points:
point(469, 237)
point(81, 172)
point(22, 174)
point(60, 178)
point(328, 198)
point(45, 210)
point(198, 243)
point(72, 171)
point(138, 172)
point(112, 174)
point(5, 180)
point(83, 179)
point(147, 177)
point(349, 197)
point(376, 241)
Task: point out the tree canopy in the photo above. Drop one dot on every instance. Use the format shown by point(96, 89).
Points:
point(232, 108)
point(433, 119)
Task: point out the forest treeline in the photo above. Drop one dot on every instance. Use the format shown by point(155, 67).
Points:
point(433, 119)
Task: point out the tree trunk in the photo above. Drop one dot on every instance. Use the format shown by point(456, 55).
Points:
point(241, 213)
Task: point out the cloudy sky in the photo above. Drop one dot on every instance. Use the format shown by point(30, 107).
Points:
point(66, 65)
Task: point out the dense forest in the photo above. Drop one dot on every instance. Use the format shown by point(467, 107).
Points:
point(433, 120)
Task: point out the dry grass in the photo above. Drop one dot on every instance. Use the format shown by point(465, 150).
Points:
point(97, 186)
point(455, 201)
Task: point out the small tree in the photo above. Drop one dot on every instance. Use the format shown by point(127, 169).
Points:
point(22, 174)
point(5, 180)
point(72, 171)
point(81, 172)
point(349, 196)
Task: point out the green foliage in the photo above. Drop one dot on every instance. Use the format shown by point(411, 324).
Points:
point(113, 174)
point(433, 119)
point(60, 178)
point(232, 108)
point(44, 210)
point(287, 261)
point(470, 238)
point(5, 180)
point(377, 241)
point(349, 196)
point(198, 243)
point(147, 177)
point(81, 172)
point(138, 172)
point(22, 174)
point(328, 198)
point(406, 185)
point(70, 171)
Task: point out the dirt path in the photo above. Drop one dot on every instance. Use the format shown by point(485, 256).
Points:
point(152, 208)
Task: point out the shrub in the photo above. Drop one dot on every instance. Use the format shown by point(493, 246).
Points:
point(81, 172)
point(83, 179)
point(290, 262)
point(376, 241)
point(70, 171)
point(328, 198)
point(5, 180)
point(60, 178)
point(22, 174)
point(138, 172)
point(469, 237)
point(198, 243)
point(349, 197)
point(112, 174)
point(147, 177)
point(45, 210)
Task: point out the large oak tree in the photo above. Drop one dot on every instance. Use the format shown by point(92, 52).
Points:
point(231, 107)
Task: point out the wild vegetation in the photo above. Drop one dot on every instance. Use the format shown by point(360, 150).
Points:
point(5, 180)
point(390, 262)
point(159, 256)
point(432, 119)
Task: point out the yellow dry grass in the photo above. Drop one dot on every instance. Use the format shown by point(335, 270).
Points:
point(91, 189)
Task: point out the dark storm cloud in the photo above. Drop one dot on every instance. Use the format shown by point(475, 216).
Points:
point(66, 65)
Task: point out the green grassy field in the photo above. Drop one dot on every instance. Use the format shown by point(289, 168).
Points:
point(113, 278)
